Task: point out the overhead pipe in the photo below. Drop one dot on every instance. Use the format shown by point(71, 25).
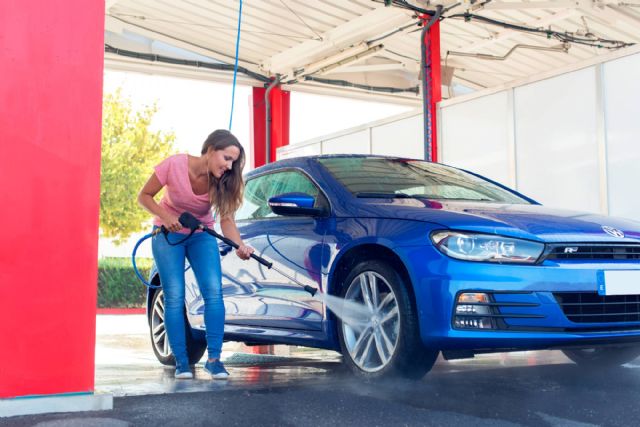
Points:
point(355, 58)
point(179, 61)
point(313, 67)
point(562, 48)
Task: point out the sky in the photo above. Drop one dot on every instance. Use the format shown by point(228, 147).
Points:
point(194, 108)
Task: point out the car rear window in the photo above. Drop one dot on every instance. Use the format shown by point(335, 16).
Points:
point(388, 177)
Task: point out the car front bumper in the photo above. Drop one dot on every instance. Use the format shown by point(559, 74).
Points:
point(554, 304)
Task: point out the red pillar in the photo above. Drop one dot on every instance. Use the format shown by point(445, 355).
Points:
point(280, 110)
point(433, 89)
point(258, 126)
point(51, 57)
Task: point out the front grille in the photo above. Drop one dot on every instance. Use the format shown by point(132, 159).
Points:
point(589, 307)
point(579, 251)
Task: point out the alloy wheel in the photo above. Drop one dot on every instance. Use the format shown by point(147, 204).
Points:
point(372, 343)
point(158, 331)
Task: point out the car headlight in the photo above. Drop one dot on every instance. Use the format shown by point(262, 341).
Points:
point(486, 247)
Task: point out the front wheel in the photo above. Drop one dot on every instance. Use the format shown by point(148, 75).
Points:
point(384, 339)
point(159, 340)
point(603, 356)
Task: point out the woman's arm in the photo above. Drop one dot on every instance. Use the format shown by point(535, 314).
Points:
point(145, 198)
point(230, 230)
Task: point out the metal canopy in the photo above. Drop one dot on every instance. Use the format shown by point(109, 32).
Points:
point(328, 46)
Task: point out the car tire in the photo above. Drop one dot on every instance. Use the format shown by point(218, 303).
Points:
point(389, 344)
point(159, 341)
point(603, 356)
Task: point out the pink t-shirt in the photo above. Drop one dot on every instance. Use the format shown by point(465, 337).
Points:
point(173, 172)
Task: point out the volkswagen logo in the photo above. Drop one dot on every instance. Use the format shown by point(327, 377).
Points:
point(612, 231)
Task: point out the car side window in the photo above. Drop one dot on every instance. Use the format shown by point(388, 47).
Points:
point(259, 190)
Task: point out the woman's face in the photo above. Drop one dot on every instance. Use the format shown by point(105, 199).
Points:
point(221, 161)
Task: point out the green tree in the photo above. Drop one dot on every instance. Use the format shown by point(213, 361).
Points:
point(129, 152)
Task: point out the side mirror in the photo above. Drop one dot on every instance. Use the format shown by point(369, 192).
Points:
point(294, 204)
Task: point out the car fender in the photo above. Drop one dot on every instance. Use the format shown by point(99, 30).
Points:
point(385, 233)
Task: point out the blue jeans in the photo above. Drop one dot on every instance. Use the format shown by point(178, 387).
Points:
point(201, 249)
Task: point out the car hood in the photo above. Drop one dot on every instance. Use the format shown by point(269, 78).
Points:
point(533, 222)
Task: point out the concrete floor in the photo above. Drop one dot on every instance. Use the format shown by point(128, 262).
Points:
point(309, 387)
point(126, 365)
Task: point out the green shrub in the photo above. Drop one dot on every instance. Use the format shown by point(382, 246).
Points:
point(118, 285)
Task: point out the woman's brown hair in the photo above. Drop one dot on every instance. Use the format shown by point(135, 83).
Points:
point(225, 193)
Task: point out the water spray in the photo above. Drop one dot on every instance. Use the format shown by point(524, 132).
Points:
point(192, 223)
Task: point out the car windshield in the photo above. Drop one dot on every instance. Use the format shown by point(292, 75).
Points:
point(380, 177)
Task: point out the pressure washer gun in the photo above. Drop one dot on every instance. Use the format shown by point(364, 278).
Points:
point(192, 223)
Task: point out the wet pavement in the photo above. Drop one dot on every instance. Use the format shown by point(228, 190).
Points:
point(301, 386)
point(126, 365)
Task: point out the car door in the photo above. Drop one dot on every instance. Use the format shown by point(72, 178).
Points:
point(256, 295)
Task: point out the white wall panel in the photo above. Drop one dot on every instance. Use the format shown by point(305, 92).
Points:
point(622, 122)
point(354, 143)
point(299, 151)
point(556, 143)
point(476, 135)
point(401, 138)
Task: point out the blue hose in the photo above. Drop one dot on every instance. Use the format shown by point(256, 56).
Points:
point(235, 67)
point(135, 267)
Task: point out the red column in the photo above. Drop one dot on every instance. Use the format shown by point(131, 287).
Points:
point(280, 111)
point(51, 57)
point(433, 90)
point(258, 127)
point(280, 107)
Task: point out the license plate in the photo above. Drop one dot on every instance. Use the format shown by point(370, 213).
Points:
point(620, 282)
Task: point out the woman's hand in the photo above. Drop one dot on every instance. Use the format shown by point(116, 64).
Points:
point(171, 223)
point(230, 231)
point(244, 251)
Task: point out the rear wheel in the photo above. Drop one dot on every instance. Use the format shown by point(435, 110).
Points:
point(159, 340)
point(603, 356)
point(382, 339)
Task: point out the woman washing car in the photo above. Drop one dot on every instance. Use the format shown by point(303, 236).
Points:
point(211, 183)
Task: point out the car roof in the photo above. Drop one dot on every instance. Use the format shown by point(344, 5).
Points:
point(303, 160)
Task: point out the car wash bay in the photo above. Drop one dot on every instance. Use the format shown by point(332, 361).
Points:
point(50, 137)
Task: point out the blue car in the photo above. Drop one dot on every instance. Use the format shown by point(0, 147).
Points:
point(438, 259)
